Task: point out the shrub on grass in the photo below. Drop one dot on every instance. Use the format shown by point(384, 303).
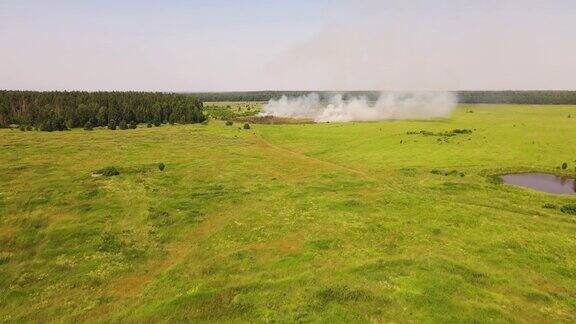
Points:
point(495, 179)
point(549, 206)
point(161, 166)
point(46, 127)
point(108, 171)
point(112, 125)
point(157, 123)
point(564, 166)
point(88, 126)
point(246, 126)
point(462, 131)
point(133, 125)
point(22, 128)
point(569, 209)
point(123, 125)
point(149, 125)
point(229, 123)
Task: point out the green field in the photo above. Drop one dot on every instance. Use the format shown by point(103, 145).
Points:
point(287, 223)
point(233, 109)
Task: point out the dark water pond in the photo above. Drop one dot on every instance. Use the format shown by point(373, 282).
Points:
point(545, 182)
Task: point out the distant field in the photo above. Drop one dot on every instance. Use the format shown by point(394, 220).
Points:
point(224, 110)
point(306, 222)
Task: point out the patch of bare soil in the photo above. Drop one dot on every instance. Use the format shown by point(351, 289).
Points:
point(272, 120)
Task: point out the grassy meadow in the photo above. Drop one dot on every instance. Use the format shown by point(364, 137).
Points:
point(335, 222)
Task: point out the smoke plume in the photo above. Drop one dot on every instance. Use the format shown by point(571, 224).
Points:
point(390, 105)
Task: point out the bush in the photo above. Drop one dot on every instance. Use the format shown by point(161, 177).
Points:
point(549, 206)
point(88, 126)
point(22, 127)
point(157, 123)
point(123, 125)
point(133, 125)
point(108, 171)
point(229, 123)
point(29, 128)
point(161, 166)
point(569, 209)
point(246, 126)
point(112, 125)
point(564, 166)
point(462, 131)
point(46, 127)
point(149, 125)
point(495, 179)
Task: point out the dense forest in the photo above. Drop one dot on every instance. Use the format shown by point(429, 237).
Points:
point(492, 97)
point(540, 97)
point(63, 110)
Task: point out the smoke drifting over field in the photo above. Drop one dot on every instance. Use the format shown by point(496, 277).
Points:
point(390, 105)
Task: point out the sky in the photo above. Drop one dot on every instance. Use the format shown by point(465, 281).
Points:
point(218, 45)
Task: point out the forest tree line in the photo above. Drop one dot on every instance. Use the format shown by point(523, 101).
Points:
point(541, 97)
point(59, 110)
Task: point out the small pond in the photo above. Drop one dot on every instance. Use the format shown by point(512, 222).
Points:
point(545, 182)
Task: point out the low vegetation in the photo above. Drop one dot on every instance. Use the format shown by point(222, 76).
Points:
point(569, 209)
point(331, 222)
point(231, 110)
point(453, 132)
point(107, 171)
point(549, 206)
point(448, 173)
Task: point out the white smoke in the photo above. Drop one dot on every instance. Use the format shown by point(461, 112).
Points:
point(390, 105)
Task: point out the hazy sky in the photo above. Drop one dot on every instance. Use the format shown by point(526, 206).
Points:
point(302, 45)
